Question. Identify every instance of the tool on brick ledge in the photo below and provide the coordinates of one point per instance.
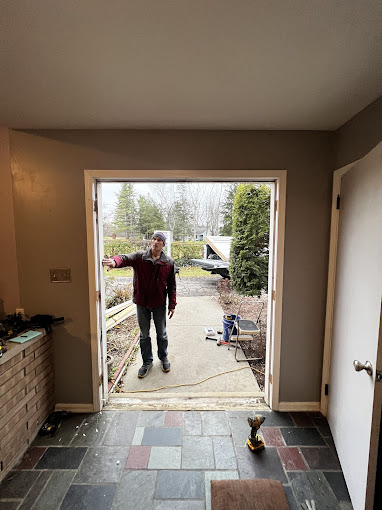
(254, 441)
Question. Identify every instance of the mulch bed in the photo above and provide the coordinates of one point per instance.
(119, 339)
(249, 309)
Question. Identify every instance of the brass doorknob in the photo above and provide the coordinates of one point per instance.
(358, 366)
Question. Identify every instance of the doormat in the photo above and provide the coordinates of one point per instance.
(261, 494)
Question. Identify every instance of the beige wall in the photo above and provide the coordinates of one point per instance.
(359, 135)
(9, 283)
(50, 230)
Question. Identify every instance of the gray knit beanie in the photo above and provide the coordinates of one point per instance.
(161, 235)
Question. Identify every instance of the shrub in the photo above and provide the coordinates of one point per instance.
(116, 293)
(249, 248)
(118, 246)
(181, 252)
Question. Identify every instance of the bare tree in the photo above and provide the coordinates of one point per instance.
(197, 196)
(163, 195)
(213, 207)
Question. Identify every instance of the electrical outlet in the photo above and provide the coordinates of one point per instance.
(21, 312)
(60, 276)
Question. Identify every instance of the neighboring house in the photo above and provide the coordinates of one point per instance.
(200, 234)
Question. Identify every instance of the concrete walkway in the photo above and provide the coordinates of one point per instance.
(193, 358)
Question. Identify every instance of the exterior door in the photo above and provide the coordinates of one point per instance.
(355, 397)
(93, 192)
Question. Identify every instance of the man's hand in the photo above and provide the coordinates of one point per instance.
(108, 262)
(170, 313)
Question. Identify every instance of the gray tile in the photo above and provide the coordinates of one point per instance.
(216, 475)
(338, 485)
(320, 458)
(93, 429)
(11, 505)
(104, 464)
(224, 451)
(36, 490)
(313, 485)
(301, 436)
(243, 415)
(322, 424)
(165, 457)
(89, 497)
(66, 432)
(329, 441)
(192, 423)
(61, 458)
(138, 436)
(215, 423)
(151, 419)
(240, 430)
(162, 436)
(197, 453)
(54, 491)
(180, 485)
(291, 499)
(168, 504)
(121, 429)
(262, 464)
(16, 484)
(345, 505)
(135, 491)
(276, 419)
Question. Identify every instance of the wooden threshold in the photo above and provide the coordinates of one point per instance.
(186, 402)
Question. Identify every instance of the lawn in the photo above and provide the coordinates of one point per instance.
(185, 272)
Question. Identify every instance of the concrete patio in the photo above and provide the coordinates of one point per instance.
(193, 359)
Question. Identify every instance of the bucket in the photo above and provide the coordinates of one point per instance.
(228, 321)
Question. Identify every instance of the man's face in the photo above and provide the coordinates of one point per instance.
(156, 243)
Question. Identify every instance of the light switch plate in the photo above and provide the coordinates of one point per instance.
(60, 275)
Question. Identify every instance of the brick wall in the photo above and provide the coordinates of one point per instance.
(26, 399)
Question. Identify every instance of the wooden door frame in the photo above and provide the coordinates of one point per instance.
(279, 177)
(336, 192)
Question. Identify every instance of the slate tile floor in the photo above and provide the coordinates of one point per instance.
(153, 460)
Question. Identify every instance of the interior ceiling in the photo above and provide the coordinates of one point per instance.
(188, 64)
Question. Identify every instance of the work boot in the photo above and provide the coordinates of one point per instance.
(166, 365)
(144, 370)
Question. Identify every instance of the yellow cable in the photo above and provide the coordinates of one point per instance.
(188, 384)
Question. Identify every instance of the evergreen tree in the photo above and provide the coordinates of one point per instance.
(125, 216)
(150, 217)
(227, 210)
(249, 248)
(181, 214)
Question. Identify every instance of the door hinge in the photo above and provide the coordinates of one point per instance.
(326, 389)
(95, 206)
(100, 380)
(378, 375)
(338, 202)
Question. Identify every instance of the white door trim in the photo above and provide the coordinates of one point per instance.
(337, 176)
(277, 176)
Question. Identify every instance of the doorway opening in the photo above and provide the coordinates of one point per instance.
(229, 388)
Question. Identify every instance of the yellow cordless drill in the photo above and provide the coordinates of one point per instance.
(254, 441)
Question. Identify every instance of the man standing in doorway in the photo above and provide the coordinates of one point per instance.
(154, 280)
